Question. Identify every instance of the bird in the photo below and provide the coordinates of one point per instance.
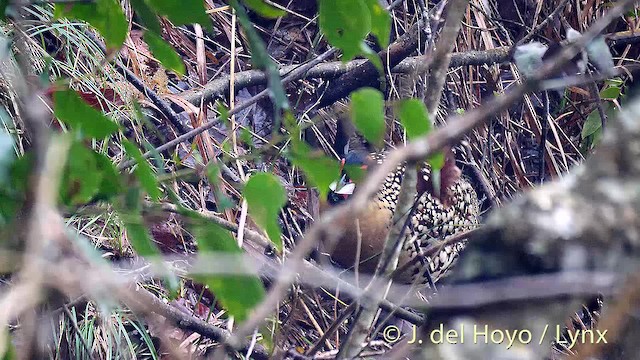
(435, 218)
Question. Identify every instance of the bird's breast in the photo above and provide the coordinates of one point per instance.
(366, 231)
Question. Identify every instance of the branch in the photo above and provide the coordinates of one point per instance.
(458, 126)
(81, 278)
(469, 297)
(37, 222)
(312, 275)
(164, 108)
(442, 55)
(294, 75)
(559, 7)
(334, 69)
(248, 233)
(331, 70)
(139, 299)
(366, 73)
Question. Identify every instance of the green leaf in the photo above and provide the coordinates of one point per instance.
(611, 93)
(111, 184)
(224, 113)
(345, 24)
(246, 137)
(380, 22)
(223, 202)
(70, 108)
(7, 349)
(367, 113)
(291, 125)
(259, 55)
(238, 293)
(269, 332)
(266, 197)
(592, 124)
(143, 171)
(264, 9)
(8, 203)
(167, 56)
(139, 237)
(183, 12)
(137, 231)
(147, 16)
(616, 81)
(595, 137)
(3, 9)
(356, 173)
(372, 56)
(213, 173)
(104, 15)
(610, 110)
(320, 169)
(81, 177)
(436, 161)
(262, 60)
(21, 169)
(414, 117)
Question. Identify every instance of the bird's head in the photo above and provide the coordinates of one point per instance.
(342, 188)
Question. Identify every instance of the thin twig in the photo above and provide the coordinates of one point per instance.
(294, 75)
(164, 108)
(560, 7)
(595, 94)
(332, 329)
(542, 147)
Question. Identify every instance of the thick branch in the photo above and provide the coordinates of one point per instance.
(162, 105)
(331, 70)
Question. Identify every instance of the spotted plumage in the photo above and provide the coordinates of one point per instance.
(431, 223)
